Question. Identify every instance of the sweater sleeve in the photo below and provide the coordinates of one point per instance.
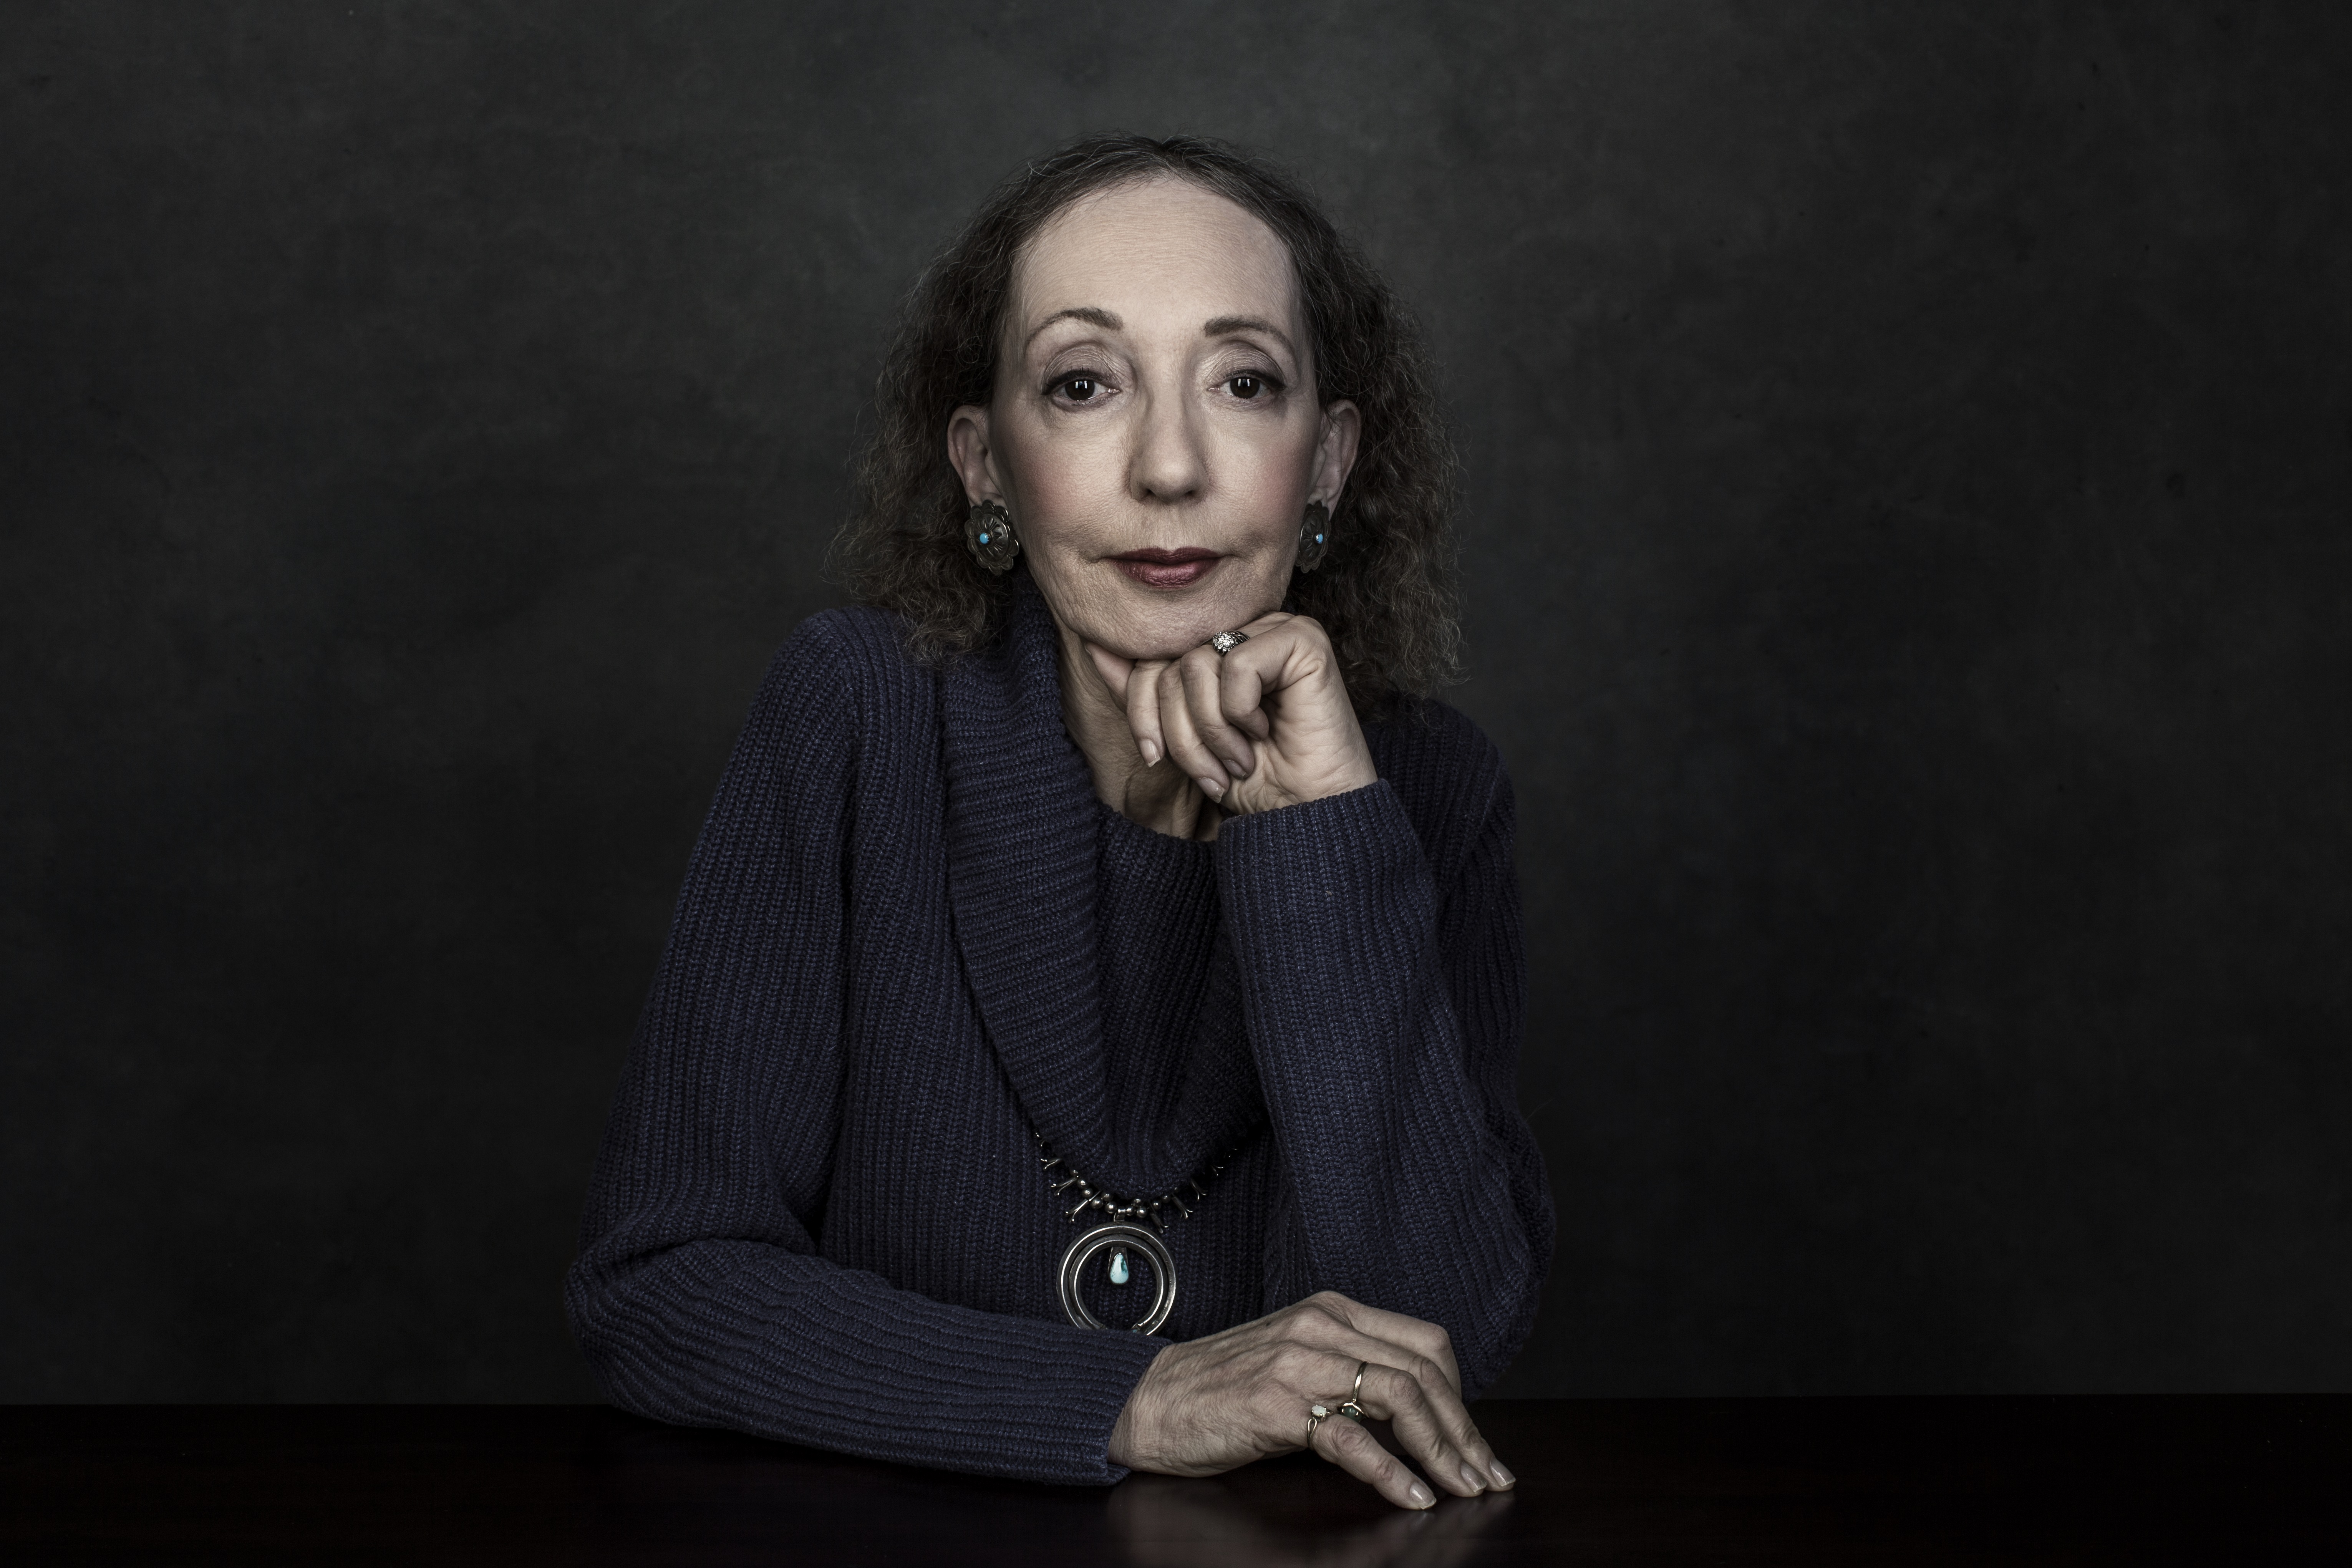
(1384, 1009)
(697, 1296)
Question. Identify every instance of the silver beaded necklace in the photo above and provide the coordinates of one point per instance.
(1125, 1233)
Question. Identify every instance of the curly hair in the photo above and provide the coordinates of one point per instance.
(1385, 592)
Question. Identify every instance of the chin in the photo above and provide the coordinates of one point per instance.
(1137, 642)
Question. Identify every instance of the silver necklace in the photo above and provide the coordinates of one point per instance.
(1124, 1233)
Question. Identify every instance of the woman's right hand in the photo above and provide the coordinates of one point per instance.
(1212, 1405)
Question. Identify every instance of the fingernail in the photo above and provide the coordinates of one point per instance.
(1150, 750)
(1503, 1478)
(1418, 1495)
(1214, 788)
(1473, 1480)
(1239, 770)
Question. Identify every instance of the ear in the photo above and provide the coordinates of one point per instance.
(1334, 453)
(973, 457)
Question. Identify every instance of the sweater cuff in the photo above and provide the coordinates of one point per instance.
(988, 1393)
(1326, 863)
(1114, 1364)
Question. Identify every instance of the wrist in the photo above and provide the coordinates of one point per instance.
(1119, 1451)
(1124, 1449)
(1303, 791)
(1358, 774)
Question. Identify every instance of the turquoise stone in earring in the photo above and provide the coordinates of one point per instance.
(989, 534)
(1314, 536)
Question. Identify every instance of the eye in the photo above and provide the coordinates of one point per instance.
(1077, 388)
(1245, 387)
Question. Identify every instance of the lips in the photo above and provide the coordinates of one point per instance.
(1167, 568)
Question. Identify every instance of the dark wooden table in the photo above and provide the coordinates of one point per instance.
(2223, 1479)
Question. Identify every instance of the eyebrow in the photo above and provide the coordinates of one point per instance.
(1088, 313)
(1225, 326)
(1216, 327)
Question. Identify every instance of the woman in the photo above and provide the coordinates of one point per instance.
(1101, 927)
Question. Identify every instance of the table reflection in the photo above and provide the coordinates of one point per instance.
(1166, 1523)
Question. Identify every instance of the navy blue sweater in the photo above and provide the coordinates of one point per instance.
(908, 942)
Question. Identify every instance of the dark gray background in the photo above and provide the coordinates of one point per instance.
(1907, 455)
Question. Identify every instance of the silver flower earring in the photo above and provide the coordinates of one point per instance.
(988, 533)
(1314, 536)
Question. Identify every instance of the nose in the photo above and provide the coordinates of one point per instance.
(1168, 463)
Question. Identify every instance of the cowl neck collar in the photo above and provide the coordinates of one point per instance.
(1022, 823)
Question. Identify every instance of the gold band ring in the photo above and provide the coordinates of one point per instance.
(1350, 1407)
(1319, 1413)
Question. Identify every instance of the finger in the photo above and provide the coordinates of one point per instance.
(1241, 690)
(1200, 764)
(1321, 1364)
(1422, 1337)
(1264, 653)
(1240, 697)
(1408, 1401)
(1203, 695)
(1326, 1326)
(1411, 1408)
(1330, 1321)
(1259, 665)
(1433, 1414)
(1354, 1450)
(1142, 699)
(1437, 1401)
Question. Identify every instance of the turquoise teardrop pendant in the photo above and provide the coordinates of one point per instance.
(1118, 1266)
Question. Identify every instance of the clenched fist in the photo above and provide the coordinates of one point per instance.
(1264, 726)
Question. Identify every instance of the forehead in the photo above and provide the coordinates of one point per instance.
(1163, 251)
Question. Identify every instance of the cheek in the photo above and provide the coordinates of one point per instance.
(1274, 471)
(1058, 481)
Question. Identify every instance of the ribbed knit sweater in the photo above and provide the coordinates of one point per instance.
(911, 941)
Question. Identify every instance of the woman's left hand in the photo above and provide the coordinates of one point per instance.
(1267, 725)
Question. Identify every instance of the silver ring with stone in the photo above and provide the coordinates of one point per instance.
(1315, 1415)
(1225, 642)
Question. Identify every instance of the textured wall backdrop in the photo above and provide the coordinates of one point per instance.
(1908, 454)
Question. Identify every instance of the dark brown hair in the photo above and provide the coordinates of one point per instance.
(1385, 593)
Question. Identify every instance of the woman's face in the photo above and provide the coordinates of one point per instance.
(1155, 431)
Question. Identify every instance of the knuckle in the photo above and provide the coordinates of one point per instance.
(1412, 1394)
